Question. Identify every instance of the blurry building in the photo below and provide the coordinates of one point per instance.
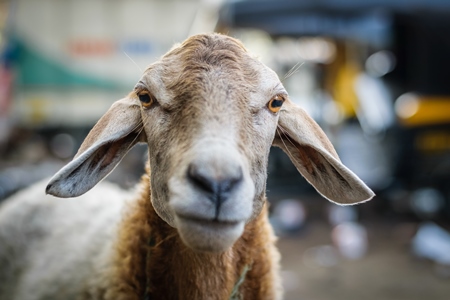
(63, 63)
(374, 74)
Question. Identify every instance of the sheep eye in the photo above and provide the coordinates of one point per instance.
(146, 99)
(275, 104)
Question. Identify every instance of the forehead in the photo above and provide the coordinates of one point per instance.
(210, 63)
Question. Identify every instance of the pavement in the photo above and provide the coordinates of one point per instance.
(314, 270)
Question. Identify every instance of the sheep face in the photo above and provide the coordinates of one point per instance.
(209, 113)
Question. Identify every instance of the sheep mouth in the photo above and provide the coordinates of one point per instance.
(214, 222)
(208, 235)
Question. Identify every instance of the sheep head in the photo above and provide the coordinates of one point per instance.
(209, 113)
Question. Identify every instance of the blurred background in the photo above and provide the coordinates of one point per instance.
(375, 74)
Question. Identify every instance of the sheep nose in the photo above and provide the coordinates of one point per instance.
(217, 186)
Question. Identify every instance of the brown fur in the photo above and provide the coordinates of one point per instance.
(170, 270)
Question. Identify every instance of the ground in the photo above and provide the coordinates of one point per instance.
(389, 271)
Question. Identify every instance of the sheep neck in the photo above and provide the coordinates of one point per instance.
(167, 269)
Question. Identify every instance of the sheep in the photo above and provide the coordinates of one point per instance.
(196, 227)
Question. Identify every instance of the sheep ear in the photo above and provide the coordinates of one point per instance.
(315, 158)
(104, 147)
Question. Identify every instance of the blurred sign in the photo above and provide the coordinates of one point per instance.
(104, 47)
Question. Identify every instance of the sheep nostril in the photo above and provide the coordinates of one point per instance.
(200, 180)
(219, 188)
